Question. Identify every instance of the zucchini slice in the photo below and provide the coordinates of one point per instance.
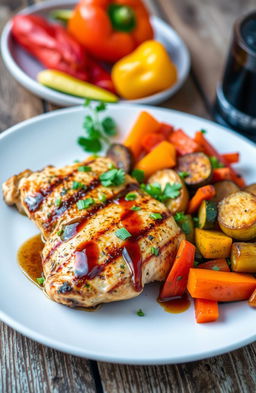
(187, 225)
(198, 168)
(251, 188)
(165, 176)
(243, 257)
(237, 215)
(223, 189)
(207, 215)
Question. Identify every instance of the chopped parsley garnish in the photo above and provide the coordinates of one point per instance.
(114, 177)
(228, 261)
(60, 232)
(130, 196)
(179, 216)
(77, 185)
(135, 208)
(58, 202)
(96, 130)
(155, 250)
(84, 168)
(203, 131)
(179, 278)
(156, 216)
(111, 166)
(170, 191)
(63, 191)
(102, 197)
(215, 162)
(183, 174)
(40, 280)
(76, 161)
(196, 263)
(215, 268)
(122, 234)
(140, 313)
(122, 266)
(138, 174)
(84, 203)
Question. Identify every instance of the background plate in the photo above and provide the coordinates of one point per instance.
(115, 333)
(24, 68)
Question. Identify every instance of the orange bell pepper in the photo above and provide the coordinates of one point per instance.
(110, 29)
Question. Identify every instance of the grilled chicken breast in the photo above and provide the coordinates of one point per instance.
(101, 245)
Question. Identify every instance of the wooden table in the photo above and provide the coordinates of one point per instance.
(30, 367)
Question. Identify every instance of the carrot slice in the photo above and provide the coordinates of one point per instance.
(216, 264)
(145, 124)
(231, 158)
(211, 151)
(150, 141)
(252, 300)
(176, 282)
(165, 129)
(203, 193)
(220, 286)
(206, 310)
(161, 157)
(183, 143)
(221, 174)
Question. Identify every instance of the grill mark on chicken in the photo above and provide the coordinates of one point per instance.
(33, 202)
(68, 203)
(80, 224)
(114, 252)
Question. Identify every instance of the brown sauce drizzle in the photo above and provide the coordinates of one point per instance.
(176, 305)
(29, 258)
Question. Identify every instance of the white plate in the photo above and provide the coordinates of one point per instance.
(115, 333)
(24, 68)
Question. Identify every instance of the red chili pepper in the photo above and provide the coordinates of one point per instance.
(54, 47)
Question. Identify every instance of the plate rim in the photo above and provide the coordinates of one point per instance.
(21, 328)
(60, 98)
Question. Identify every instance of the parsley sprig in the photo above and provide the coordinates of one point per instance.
(114, 177)
(96, 130)
(170, 191)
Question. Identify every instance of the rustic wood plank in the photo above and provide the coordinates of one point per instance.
(206, 27)
(26, 366)
(230, 373)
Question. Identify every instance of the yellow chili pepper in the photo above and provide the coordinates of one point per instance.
(145, 71)
(68, 84)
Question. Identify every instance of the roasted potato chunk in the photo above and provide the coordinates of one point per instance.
(223, 189)
(251, 188)
(237, 215)
(165, 176)
(243, 257)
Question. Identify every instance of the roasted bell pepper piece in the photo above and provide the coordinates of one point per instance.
(110, 29)
(68, 84)
(149, 68)
(50, 44)
(56, 49)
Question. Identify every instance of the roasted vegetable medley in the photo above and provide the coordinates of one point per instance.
(210, 202)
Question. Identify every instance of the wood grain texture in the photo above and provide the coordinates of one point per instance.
(206, 27)
(25, 366)
(30, 367)
(230, 373)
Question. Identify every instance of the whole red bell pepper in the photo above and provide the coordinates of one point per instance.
(110, 29)
(56, 49)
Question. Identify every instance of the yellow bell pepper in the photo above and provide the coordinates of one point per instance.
(145, 71)
(68, 84)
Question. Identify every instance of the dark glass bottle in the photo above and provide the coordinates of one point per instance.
(235, 103)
